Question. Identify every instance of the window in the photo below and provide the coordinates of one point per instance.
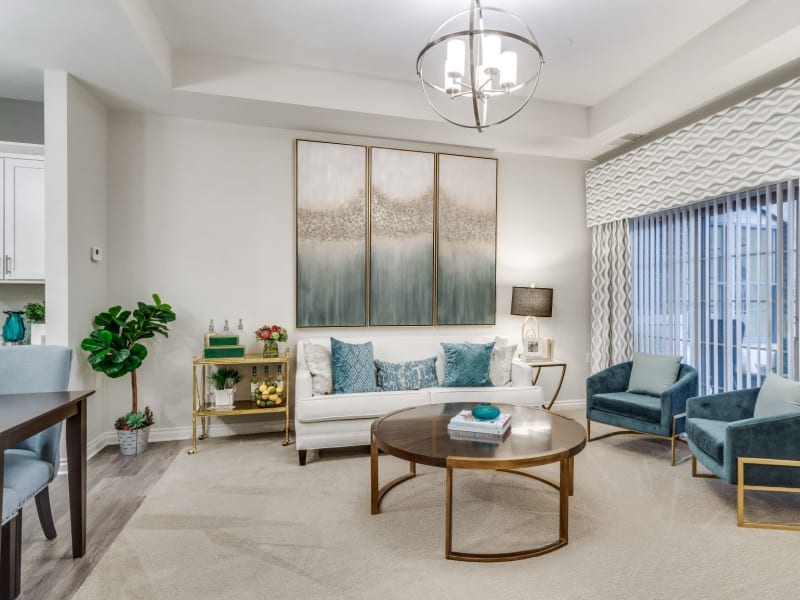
(716, 282)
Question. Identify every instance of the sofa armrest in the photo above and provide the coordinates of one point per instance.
(673, 399)
(609, 380)
(728, 406)
(521, 374)
(774, 436)
(302, 384)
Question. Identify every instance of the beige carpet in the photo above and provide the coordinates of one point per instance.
(242, 520)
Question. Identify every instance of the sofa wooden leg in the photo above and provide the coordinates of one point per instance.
(45, 514)
(301, 457)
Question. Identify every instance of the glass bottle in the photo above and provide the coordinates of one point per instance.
(210, 331)
(267, 380)
(226, 330)
(279, 379)
(254, 384)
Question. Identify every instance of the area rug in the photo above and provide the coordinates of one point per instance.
(240, 519)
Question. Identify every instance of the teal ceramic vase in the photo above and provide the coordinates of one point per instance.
(485, 411)
(14, 328)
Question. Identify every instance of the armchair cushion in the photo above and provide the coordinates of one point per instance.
(640, 406)
(653, 374)
(708, 435)
(777, 396)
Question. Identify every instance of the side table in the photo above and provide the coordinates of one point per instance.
(539, 365)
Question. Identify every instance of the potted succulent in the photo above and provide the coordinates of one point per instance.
(114, 349)
(224, 380)
(34, 313)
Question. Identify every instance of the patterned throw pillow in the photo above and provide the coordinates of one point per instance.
(467, 365)
(411, 375)
(500, 365)
(353, 367)
(318, 363)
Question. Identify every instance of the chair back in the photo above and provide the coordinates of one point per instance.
(31, 369)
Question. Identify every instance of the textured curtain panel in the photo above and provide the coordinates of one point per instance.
(752, 143)
(611, 294)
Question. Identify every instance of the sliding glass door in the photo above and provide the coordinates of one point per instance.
(716, 282)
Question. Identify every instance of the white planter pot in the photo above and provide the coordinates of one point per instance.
(223, 397)
(133, 441)
(37, 334)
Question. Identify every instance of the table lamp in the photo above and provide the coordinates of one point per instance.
(531, 302)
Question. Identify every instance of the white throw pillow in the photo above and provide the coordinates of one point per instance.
(500, 365)
(318, 363)
(777, 396)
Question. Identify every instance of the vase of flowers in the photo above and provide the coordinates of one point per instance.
(271, 335)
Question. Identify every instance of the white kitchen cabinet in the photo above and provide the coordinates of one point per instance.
(22, 239)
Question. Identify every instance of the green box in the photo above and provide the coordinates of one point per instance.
(223, 340)
(223, 352)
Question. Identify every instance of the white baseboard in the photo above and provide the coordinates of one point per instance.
(572, 403)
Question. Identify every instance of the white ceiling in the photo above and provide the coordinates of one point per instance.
(613, 67)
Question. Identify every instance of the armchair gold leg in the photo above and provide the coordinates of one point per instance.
(741, 487)
(672, 438)
(700, 475)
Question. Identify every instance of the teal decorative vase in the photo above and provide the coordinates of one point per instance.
(14, 328)
(485, 412)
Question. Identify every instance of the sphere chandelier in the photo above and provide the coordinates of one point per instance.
(470, 68)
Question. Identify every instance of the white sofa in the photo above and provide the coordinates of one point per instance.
(339, 420)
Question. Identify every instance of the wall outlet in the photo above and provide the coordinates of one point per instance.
(96, 253)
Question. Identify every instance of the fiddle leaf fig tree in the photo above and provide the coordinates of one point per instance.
(114, 347)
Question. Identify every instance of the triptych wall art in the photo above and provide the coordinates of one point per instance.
(391, 237)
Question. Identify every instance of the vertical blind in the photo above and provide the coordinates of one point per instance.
(716, 282)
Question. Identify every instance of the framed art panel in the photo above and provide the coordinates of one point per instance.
(401, 237)
(331, 234)
(467, 236)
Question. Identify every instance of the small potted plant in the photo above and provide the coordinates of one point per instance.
(34, 313)
(271, 335)
(114, 349)
(224, 380)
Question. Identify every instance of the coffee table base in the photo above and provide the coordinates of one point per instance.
(564, 486)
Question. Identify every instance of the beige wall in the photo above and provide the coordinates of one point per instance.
(203, 213)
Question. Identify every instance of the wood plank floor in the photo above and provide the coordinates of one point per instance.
(116, 486)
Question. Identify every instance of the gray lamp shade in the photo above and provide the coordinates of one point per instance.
(532, 301)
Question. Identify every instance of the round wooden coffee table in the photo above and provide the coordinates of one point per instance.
(537, 437)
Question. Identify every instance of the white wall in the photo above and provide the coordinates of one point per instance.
(21, 121)
(75, 192)
(203, 213)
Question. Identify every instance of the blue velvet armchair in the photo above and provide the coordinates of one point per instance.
(609, 402)
(33, 464)
(721, 430)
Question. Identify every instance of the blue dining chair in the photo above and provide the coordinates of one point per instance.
(33, 464)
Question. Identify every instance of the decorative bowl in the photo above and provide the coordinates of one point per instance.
(485, 412)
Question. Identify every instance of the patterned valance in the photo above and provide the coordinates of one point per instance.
(744, 146)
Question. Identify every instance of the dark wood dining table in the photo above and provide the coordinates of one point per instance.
(21, 416)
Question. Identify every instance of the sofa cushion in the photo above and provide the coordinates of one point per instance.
(527, 396)
(467, 365)
(353, 367)
(777, 396)
(500, 364)
(708, 435)
(652, 373)
(355, 406)
(318, 363)
(641, 406)
(410, 375)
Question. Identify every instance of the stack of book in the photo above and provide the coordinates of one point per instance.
(464, 426)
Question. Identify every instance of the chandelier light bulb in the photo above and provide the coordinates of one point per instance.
(508, 70)
(491, 53)
(456, 53)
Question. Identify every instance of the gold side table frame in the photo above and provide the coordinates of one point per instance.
(240, 407)
(741, 486)
(539, 365)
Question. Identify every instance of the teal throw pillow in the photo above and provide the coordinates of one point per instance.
(411, 375)
(467, 365)
(653, 373)
(353, 367)
(777, 396)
